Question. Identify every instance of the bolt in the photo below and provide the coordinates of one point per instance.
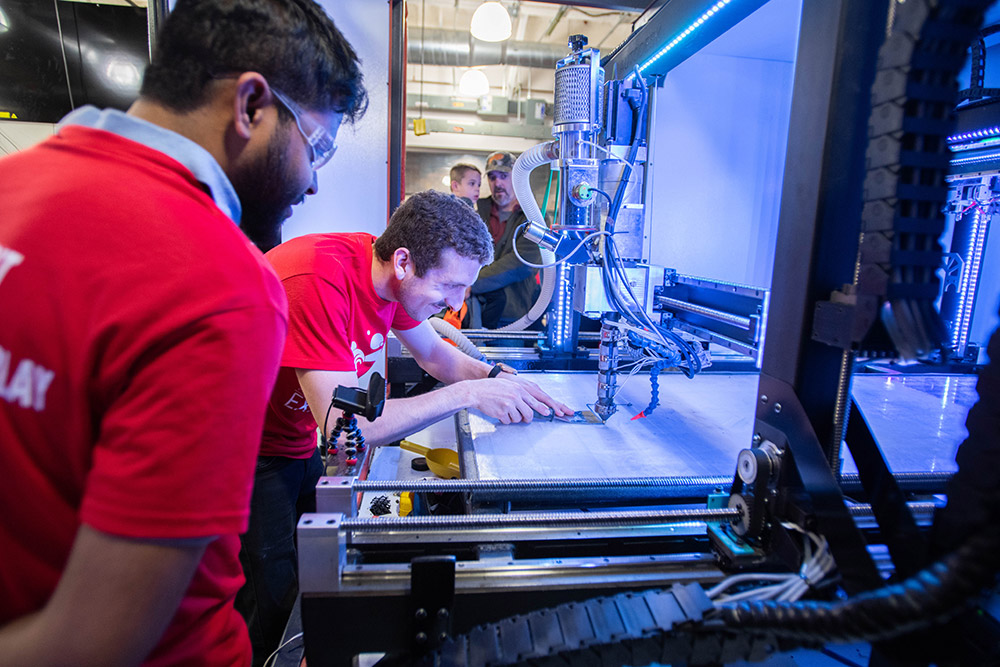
(421, 614)
(421, 638)
(777, 407)
(757, 438)
(442, 613)
(763, 398)
(443, 637)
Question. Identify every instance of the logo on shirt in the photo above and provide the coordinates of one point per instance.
(8, 260)
(297, 402)
(27, 385)
(363, 361)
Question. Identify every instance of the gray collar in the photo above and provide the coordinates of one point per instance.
(198, 160)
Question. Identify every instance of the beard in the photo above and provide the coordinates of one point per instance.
(265, 194)
(502, 196)
(413, 301)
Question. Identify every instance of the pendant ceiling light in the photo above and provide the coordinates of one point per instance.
(473, 84)
(491, 22)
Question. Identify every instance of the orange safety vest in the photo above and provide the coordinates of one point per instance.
(454, 318)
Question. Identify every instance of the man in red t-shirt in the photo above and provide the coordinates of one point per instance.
(141, 334)
(345, 292)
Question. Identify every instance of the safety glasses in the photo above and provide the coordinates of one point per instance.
(321, 142)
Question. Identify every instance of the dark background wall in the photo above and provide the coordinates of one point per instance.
(87, 54)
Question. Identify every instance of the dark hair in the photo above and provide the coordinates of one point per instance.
(292, 43)
(427, 223)
(459, 171)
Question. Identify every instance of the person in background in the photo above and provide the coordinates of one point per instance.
(506, 287)
(142, 334)
(346, 291)
(465, 182)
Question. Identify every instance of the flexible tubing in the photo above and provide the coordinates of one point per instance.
(523, 166)
(447, 330)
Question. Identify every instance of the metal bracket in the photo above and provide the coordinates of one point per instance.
(322, 552)
(336, 495)
(432, 595)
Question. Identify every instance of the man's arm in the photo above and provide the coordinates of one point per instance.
(443, 361)
(449, 364)
(115, 598)
(508, 398)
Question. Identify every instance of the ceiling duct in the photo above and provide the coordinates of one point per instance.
(458, 48)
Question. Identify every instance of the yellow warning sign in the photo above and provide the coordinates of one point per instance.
(8, 115)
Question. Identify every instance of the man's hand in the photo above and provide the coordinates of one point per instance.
(512, 399)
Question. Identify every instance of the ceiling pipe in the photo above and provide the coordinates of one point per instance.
(457, 48)
(555, 21)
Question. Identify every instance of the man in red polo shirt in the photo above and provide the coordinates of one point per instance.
(141, 334)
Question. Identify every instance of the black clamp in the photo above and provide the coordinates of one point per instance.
(432, 594)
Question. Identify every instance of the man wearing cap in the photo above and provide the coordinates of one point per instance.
(506, 287)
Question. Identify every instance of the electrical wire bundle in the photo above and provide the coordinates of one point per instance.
(933, 595)
(661, 340)
(817, 562)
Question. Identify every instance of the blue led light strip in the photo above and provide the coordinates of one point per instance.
(970, 279)
(684, 33)
(975, 134)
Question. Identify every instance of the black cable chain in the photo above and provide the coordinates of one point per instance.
(913, 99)
(640, 628)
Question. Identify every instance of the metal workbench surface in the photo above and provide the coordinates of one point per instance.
(700, 426)
(698, 429)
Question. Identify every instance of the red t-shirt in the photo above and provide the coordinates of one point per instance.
(140, 334)
(336, 322)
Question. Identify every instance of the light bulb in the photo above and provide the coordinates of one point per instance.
(491, 22)
(473, 84)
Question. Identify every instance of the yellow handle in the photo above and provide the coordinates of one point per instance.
(414, 447)
(442, 461)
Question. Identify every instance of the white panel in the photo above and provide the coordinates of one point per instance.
(16, 135)
(353, 187)
(719, 136)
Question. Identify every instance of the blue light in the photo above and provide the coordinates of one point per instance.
(986, 131)
(970, 279)
(970, 144)
(684, 33)
(975, 159)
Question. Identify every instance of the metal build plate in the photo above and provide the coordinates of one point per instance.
(698, 429)
(701, 425)
(918, 420)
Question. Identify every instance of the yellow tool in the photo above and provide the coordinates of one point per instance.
(405, 503)
(442, 461)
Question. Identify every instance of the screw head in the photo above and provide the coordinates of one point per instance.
(763, 398)
(777, 407)
(421, 614)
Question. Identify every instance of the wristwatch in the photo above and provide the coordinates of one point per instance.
(499, 368)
